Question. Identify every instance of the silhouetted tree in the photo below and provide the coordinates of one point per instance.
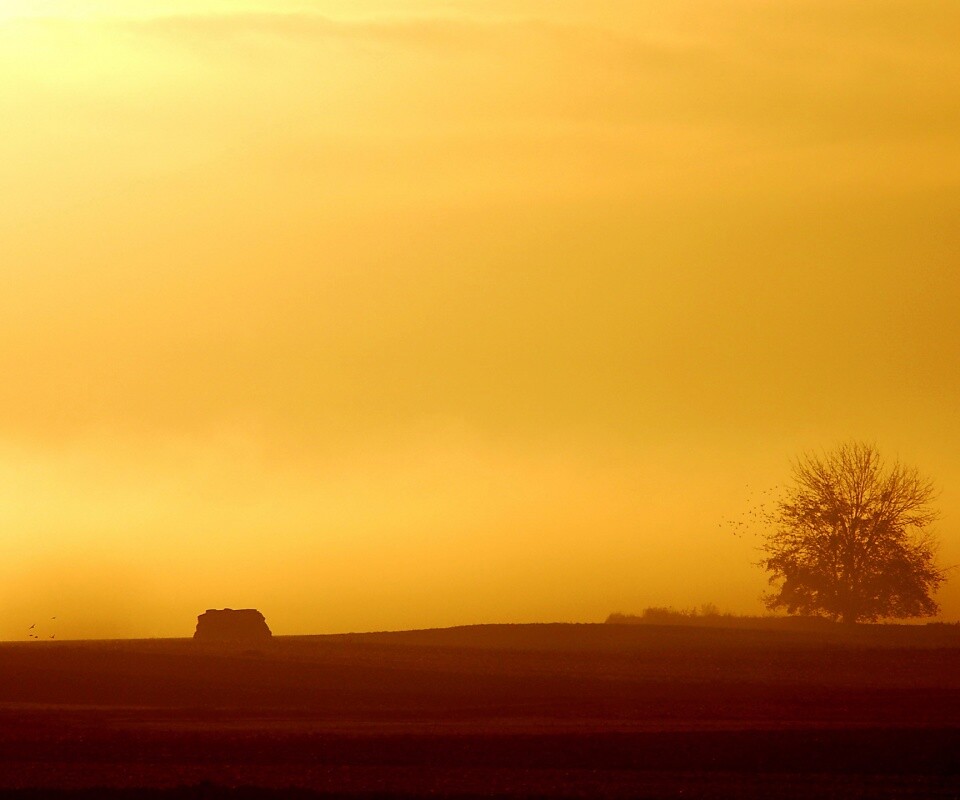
(850, 539)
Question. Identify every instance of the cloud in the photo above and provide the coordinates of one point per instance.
(521, 221)
(753, 67)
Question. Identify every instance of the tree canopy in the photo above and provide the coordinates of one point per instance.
(850, 538)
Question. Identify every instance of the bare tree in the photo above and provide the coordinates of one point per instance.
(850, 539)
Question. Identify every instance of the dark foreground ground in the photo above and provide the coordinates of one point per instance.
(571, 711)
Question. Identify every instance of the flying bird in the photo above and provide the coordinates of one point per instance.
(32, 626)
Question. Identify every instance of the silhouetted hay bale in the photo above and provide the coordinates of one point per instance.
(232, 625)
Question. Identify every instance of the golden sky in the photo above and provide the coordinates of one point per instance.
(403, 313)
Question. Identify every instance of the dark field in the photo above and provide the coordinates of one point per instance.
(519, 711)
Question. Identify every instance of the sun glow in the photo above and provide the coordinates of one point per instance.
(55, 9)
(14, 9)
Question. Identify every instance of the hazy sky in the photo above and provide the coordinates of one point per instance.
(385, 314)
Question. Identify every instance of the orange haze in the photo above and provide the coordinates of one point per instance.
(385, 313)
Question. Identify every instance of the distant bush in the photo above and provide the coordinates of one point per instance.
(708, 614)
(667, 615)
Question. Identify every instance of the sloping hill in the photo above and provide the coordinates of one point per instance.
(612, 637)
